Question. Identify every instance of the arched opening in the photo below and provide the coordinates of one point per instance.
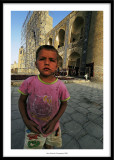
(61, 38)
(74, 64)
(33, 36)
(78, 62)
(77, 29)
(77, 66)
(50, 41)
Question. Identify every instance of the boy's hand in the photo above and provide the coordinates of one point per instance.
(32, 126)
(49, 127)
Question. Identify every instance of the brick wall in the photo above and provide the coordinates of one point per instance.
(95, 45)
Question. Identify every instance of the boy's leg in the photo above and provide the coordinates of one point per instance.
(54, 139)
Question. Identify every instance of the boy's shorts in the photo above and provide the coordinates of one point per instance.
(37, 141)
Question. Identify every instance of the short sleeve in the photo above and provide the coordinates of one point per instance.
(64, 94)
(23, 89)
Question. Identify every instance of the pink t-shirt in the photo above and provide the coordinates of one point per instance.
(43, 99)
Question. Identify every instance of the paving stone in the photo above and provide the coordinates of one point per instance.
(81, 133)
(89, 142)
(72, 128)
(14, 100)
(74, 104)
(101, 116)
(96, 105)
(62, 127)
(95, 111)
(65, 140)
(84, 105)
(72, 144)
(99, 121)
(92, 116)
(17, 125)
(65, 118)
(17, 140)
(14, 107)
(15, 115)
(101, 104)
(78, 117)
(15, 94)
(93, 129)
(81, 110)
(74, 100)
(69, 110)
(93, 99)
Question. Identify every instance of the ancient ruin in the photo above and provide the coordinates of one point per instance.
(78, 39)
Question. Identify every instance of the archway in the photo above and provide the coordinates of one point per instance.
(50, 41)
(33, 36)
(77, 29)
(61, 38)
(74, 64)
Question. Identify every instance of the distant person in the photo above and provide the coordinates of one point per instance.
(42, 102)
(86, 76)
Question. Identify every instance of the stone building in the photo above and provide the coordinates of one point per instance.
(14, 68)
(78, 39)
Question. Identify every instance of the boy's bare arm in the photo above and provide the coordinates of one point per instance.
(22, 107)
(61, 111)
(50, 126)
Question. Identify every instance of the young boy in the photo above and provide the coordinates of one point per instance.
(42, 102)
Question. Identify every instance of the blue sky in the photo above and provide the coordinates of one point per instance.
(17, 20)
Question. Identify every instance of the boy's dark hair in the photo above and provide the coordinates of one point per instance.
(47, 47)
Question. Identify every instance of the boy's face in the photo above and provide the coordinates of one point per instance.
(46, 62)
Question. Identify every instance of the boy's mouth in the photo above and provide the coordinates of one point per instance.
(46, 69)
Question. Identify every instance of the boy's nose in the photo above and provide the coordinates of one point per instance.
(47, 61)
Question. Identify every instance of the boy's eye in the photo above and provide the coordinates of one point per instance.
(52, 60)
(41, 59)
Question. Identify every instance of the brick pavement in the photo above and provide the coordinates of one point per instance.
(81, 124)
